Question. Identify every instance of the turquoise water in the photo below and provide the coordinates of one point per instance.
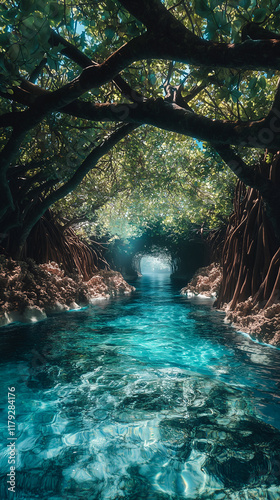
(150, 397)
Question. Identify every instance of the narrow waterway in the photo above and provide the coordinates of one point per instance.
(150, 397)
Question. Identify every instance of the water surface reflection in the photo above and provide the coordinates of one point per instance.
(147, 397)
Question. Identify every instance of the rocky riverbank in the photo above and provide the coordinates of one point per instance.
(206, 281)
(31, 292)
(261, 324)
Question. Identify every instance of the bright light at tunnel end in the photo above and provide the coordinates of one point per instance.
(155, 265)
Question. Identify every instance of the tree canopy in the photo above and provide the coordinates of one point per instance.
(78, 80)
(171, 185)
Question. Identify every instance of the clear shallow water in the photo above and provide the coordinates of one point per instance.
(149, 397)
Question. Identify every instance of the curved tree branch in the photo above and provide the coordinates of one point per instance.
(88, 164)
(170, 116)
(175, 42)
(84, 61)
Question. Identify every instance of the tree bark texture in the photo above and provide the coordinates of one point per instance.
(49, 241)
(251, 252)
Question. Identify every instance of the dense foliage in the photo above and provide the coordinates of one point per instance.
(76, 80)
(173, 186)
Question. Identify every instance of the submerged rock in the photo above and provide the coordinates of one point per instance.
(30, 292)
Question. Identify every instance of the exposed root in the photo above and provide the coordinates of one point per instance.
(50, 241)
(261, 323)
(251, 253)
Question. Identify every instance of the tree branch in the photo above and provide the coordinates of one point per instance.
(154, 16)
(88, 164)
(166, 39)
(36, 72)
(91, 76)
(249, 175)
(256, 32)
(170, 116)
(9, 119)
(175, 42)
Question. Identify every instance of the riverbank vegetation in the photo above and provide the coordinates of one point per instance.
(122, 116)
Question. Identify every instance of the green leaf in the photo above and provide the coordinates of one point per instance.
(27, 5)
(28, 24)
(10, 14)
(70, 25)
(252, 82)
(4, 39)
(201, 8)
(105, 15)
(254, 91)
(214, 3)
(56, 12)
(52, 63)
(133, 29)
(153, 79)
(110, 4)
(237, 23)
(2, 62)
(41, 5)
(235, 30)
(226, 28)
(109, 32)
(44, 34)
(212, 30)
(260, 15)
(245, 4)
(235, 94)
(13, 52)
(220, 18)
(83, 39)
(262, 82)
(234, 80)
(39, 19)
(55, 50)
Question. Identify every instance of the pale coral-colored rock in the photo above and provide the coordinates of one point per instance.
(53, 268)
(74, 305)
(206, 281)
(261, 324)
(29, 292)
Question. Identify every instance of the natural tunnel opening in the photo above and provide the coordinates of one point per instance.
(155, 265)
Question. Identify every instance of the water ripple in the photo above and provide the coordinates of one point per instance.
(147, 398)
